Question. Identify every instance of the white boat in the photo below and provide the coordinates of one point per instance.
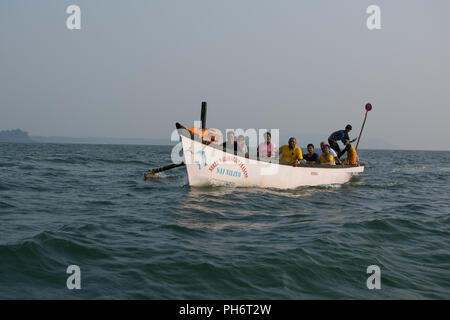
(208, 164)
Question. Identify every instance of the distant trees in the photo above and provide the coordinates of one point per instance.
(16, 135)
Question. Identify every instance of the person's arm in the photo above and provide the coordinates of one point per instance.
(335, 157)
(300, 154)
(337, 160)
(299, 158)
(344, 136)
(316, 158)
(331, 160)
(273, 149)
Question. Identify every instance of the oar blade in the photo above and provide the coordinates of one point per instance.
(149, 176)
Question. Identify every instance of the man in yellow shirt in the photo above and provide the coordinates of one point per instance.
(290, 152)
(351, 153)
(326, 157)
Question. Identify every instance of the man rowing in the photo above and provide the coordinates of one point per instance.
(341, 135)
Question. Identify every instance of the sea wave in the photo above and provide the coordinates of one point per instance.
(161, 239)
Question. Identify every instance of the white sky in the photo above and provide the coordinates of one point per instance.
(306, 67)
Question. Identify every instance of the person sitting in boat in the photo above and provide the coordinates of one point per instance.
(231, 144)
(341, 135)
(242, 149)
(351, 153)
(332, 152)
(290, 152)
(267, 148)
(311, 157)
(326, 157)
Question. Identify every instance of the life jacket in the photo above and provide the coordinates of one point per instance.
(209, 135)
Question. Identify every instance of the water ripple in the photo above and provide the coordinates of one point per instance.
(161, 239)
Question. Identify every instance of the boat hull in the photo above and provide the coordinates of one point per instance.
(210, 165)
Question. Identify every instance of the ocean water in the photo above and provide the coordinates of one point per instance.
(88, 205)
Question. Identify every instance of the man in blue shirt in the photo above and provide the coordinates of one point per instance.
(340, 135)
(311, 157)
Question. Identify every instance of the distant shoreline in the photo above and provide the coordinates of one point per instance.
(15, 135)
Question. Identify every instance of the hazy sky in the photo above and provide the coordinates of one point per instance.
(306, 67)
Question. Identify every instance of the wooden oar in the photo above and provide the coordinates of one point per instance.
(152, 172)
(368, 108)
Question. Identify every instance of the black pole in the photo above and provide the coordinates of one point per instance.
(360, 133)
(203, 115)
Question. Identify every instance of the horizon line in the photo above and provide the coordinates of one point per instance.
(175, 142)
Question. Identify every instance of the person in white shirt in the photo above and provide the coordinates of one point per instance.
(242, 149)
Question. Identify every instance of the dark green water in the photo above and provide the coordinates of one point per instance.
(88, 205)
